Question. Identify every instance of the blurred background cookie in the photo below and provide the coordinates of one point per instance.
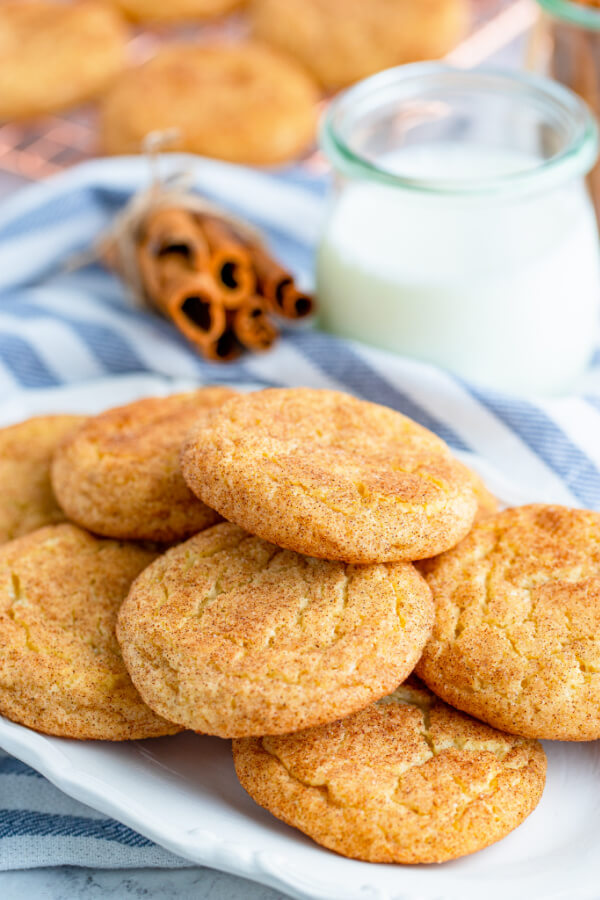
(26, 450)
(340, 41)
(54, 55)
(175, 10)
(61, 670)
(245, 103)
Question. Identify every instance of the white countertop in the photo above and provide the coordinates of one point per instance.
(69, 883)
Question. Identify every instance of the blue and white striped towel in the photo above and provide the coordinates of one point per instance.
(58, 328)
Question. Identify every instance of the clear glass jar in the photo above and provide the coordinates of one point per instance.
(460, 230)
(567, 46)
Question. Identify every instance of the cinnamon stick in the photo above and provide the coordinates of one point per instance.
(252, 325)
(230, 261)
(224, 349)
(195, 307)
(173, 231)
(271, 277)
(295, 304)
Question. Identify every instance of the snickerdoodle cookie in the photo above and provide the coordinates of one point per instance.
(487, 503)
(174, 10)
(61, 671)
(407, 780)
(340, 41)
(27, 500)
(325, 474)
(53, 54)
(119, 474)
(229, 635)
(244, 103)
(517, 635)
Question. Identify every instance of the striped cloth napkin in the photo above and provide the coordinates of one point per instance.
(59, 328)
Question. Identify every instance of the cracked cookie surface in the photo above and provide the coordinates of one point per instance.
(61, 670)
(26, 450)
(407, 780)
(119, 475)
(232, 636)
(517, 635)
(325, 474)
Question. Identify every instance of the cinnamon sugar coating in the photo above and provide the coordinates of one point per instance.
(27, 499)
(407, 780)
(232, 636)
(327, 475)
(517, 635)
(61, 671)
(119, 474)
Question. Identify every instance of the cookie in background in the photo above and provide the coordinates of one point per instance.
(56, 55)
(342, 41)
(175, 10)
(244, 103)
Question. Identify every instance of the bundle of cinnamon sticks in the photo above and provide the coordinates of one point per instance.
(219, 286)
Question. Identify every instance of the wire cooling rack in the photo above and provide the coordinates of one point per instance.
(36, 148)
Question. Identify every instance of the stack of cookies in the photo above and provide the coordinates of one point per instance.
(243, 565)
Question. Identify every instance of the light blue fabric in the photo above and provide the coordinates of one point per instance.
(64, 328)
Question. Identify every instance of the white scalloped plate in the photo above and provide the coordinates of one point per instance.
(182, 792)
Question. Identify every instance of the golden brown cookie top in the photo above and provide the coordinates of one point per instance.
(61, 671)
(54, 54)
(406, 780)
(517, 634)
(26, 450)
(341, 41)
(240, 102)
(230, 635)
(325, 474)
(119, 474)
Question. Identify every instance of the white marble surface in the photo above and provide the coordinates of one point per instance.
(70, 883)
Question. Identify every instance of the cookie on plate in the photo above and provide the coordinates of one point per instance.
(54, 55)
(174, 11)
(341, 41)
(517, 635)
(487, 503)
(325, 474)
(229, 635)
(407, 780)
(27, 499)
(61, 671)
(119, 474)
(244, 103)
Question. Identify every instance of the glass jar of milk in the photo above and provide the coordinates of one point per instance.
(461, 231)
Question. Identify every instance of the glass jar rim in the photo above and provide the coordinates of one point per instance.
(573, 12)
(575, 159)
